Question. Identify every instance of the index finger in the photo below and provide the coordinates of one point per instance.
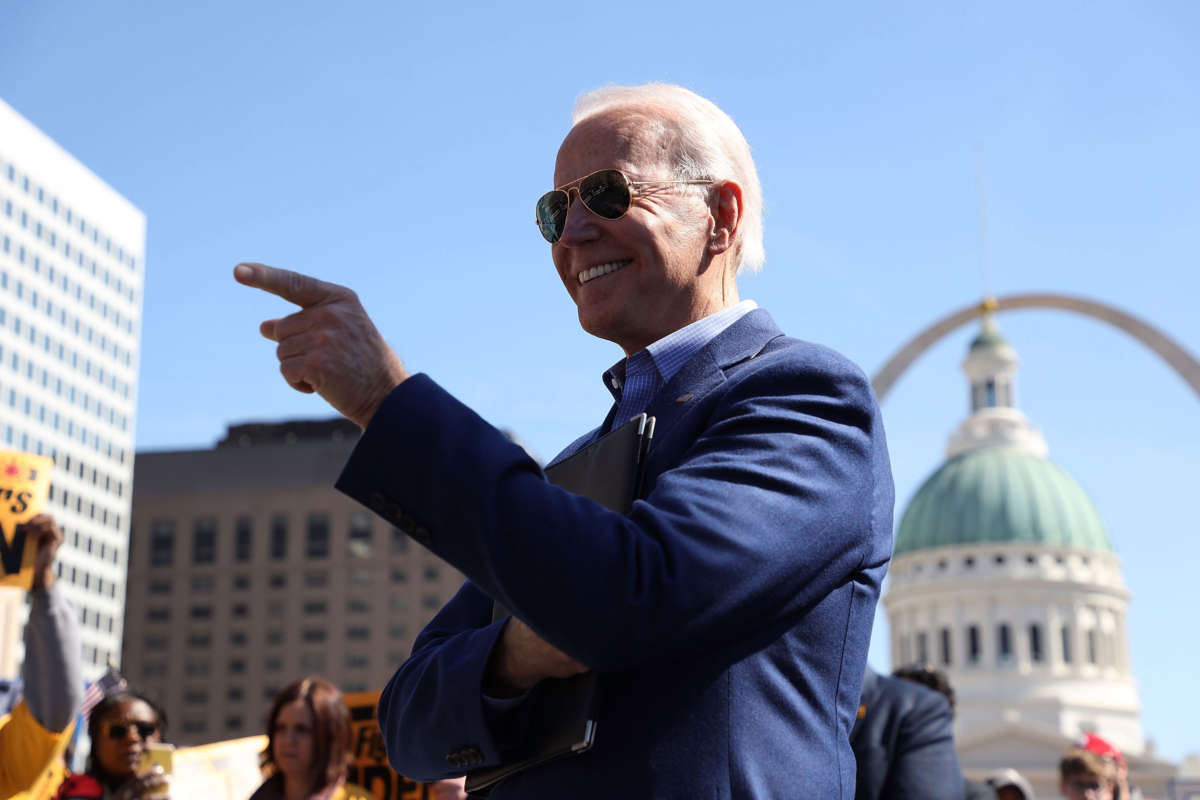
(295, 287)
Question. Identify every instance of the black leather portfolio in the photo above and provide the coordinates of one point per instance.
(563, 721)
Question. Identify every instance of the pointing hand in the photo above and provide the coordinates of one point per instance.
(330, 346)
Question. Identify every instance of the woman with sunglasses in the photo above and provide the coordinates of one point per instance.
(120, 727)
(308, 745)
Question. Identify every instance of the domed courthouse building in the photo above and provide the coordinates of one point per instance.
(1004, 576)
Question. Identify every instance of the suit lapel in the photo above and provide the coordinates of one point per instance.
(705, 370)
(702, 372)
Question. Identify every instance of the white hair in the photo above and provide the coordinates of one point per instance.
(706, 144)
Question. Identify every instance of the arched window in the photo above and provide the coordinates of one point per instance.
(973, 644)
(1035, 643)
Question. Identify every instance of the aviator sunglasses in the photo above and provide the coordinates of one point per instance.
(607, 194)
(119, 730)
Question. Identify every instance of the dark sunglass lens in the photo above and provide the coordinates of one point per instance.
(606, 194)
(118, 732)
(146, 729)
(551, 212)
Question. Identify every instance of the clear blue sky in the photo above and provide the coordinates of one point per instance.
(398, 148)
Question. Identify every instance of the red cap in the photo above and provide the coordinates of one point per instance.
(1101, 747)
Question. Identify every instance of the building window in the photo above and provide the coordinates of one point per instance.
(240, 610)
(358, 576)
(159, 587)
(200, 612)
(237, 638)
(233, 723)
(1091, 646)
(237, 666)
(433, 601)
(273, 664)
(278, 580)
(279, 537)
(243, 539)
(357, 660)
(399, 576)
(973, 644)
(397, 602)
(313, 634)
(235, 694)
(1066, 644)
(316, 607)
(158, 614)
(358, 542)
(399, 541)
(315, 580)
(194, 726)
(946, 652)
(162, 543)
(317, 540)
(202, 583)
(357, 605)
(155, 642)
(1035, 643)
(275, 636)
(358, 633)
(194, 697)
(154, 669)
(204, 541)
(203, 640)
(241, 582)
(397, 632)
(196, 669)
(1004, 642)
(431, 572)
(922, 648)
(312, 662)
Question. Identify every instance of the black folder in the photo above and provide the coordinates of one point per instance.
(610, 472)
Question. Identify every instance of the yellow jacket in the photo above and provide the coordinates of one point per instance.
(31, 765)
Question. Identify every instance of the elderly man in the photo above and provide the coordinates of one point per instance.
(728, 614)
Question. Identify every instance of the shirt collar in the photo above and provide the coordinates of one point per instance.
(672, 351)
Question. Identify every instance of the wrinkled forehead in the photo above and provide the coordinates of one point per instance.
(633, 140)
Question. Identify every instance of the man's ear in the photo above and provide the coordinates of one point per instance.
(726, 217)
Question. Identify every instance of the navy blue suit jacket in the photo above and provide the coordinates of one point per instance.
(728, 614)
(904, 743)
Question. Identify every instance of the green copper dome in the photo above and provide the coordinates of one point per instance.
(1000, 495)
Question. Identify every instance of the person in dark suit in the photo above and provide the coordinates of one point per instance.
(728, 615)
(903, 741)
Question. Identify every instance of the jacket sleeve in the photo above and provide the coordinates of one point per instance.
(925, 765)
(768, 510)
(432, 712)
(52, 672)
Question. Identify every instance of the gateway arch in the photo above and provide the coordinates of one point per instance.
(1180, 360)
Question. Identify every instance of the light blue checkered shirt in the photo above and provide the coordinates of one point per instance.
(634, 381)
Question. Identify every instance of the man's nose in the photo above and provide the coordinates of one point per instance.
(581, 225)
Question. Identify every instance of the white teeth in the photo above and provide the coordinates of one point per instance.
(601, 269)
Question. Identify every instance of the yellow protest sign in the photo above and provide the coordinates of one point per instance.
(24, 485)
(369, 767)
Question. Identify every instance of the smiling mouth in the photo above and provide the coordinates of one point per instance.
(601, 269)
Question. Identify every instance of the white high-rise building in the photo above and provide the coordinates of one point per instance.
(71, 269)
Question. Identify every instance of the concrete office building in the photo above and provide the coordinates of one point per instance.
(247, 570)
(71, 271)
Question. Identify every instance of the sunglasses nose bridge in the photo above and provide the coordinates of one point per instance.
(581, 224)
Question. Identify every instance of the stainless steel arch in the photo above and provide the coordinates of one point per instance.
(1183, 362)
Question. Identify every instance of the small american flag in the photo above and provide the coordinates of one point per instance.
(111, 681)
